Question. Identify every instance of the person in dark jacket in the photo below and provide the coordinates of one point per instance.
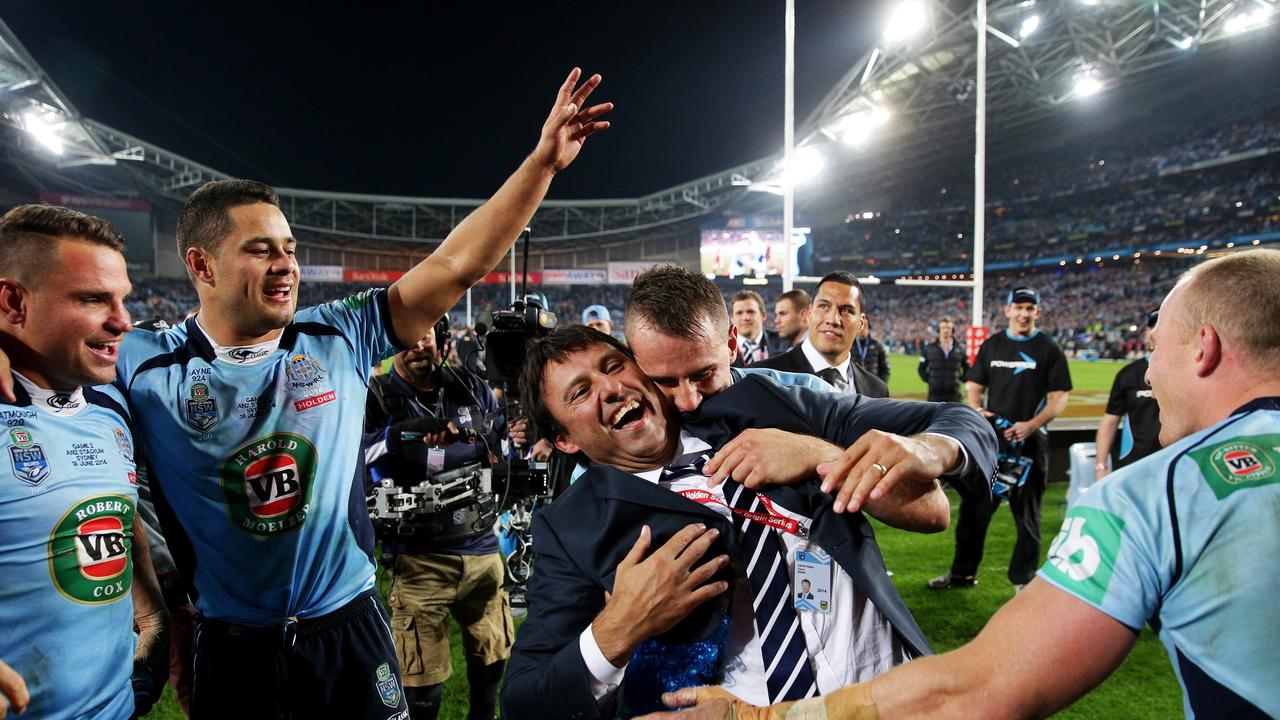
(869, 354)
(943, 364)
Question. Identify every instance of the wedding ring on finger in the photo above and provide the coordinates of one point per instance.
(881, 468)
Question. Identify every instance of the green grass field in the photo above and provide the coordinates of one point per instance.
(1144, 687)
(1091, 382)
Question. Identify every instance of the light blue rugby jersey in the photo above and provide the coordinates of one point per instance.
(68, 495)
(1187, 539)
(261, 464)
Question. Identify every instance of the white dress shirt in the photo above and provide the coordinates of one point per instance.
(851, 644)
(818, 363)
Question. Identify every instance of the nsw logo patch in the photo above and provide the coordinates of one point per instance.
(1240, 463)
(30, 464)
(202, 408)
(267, 484)
(89, 557)
(1082, 557)
(388, 688)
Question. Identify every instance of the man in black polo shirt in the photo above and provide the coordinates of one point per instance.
(1133, 411)
(1027, 382)
(943, 365)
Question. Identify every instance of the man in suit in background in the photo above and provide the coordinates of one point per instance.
(835, 319)
(791, 316)
(755, 342)
(609, 621)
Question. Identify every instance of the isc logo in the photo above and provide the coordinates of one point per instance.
(271, 485)
(1241, 462)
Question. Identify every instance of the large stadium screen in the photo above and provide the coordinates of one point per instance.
(748, 252)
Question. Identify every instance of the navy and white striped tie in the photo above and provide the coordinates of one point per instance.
(786, 659)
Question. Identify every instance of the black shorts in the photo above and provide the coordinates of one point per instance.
(340, 665)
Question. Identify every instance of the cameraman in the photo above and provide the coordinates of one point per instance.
(452, 563)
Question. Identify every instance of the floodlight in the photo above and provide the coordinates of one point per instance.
(42, 131)
(868, 215)
(1087, 85)
(855, 129)
(1029, 26)
(906, 20)
(1248, 21)
(1185, 43)
(807, 162)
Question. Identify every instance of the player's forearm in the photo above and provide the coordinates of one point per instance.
(912, 508)
(1055, 406)
(973, 394)
(148, 598)
(474, 247)
(1106, 433)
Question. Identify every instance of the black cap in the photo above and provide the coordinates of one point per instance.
(1023, 294)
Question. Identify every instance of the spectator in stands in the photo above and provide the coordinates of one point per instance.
(755, 342)
(1026, 379)
(791, 316)
(1151, 545)
(1131, 409)
(943, 364)
(835, 319)
(869, 354)
(597, 318)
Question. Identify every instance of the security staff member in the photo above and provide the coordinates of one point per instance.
(450, 566)
(1027, 381)
(1133, 411)
(943, 365)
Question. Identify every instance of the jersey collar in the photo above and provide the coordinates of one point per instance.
(1262, 403)
(62, 404)
(1015, 338)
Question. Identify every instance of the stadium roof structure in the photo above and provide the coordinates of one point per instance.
(911, 99)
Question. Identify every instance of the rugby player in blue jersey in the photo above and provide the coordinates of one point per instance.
(73, 555)
(251, 417)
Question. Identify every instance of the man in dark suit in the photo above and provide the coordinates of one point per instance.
(755, 341)
(835, 319)
(611, 625)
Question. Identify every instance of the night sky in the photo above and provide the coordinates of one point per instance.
(442, 99)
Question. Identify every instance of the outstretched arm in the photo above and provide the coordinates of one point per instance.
(476, 245)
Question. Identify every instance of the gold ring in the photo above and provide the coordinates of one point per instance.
(880, 467)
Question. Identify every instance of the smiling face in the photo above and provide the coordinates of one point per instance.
(1022, 317)
(1171, 371)
(75, 317)
(685, 370)
(835, 320)
(609, 410)
(251, 280)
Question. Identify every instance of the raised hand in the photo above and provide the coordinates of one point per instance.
(879, 460)
(764, 456)
(569, 124)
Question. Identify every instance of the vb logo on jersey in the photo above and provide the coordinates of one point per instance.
(1083, 555)
(202, 409)
(29, 462)
(89, 550)
(267, 484)
(1240, 463)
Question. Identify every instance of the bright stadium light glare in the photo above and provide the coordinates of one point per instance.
(906, 20)
(1248, 20)
(1185, 43)
(42, 131)
(856, 129)
(1029, 27)
(1087, 85)
(807, 162)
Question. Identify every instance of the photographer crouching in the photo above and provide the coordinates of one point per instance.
(428, 420)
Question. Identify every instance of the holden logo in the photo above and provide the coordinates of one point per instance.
(267, 483)
(89, 550)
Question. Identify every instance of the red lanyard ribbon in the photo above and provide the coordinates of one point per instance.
(771, 518)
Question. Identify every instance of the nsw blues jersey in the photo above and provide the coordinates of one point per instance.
(260, 462)
(67, 505)
(1186, 539)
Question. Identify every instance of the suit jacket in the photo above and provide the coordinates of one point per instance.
(580, 538)
(772, 341)
(794, 361)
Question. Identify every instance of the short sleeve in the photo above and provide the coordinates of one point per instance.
(1115, 549)
(364, 319)
(1059, 373)
(978, 373)
(1118, 402)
